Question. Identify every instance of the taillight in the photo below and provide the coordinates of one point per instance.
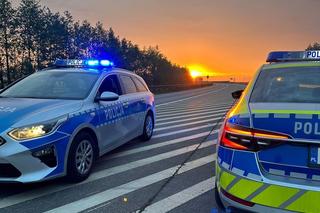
(242, 138)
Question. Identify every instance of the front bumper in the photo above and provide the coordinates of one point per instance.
(239, 174)
(20, 164)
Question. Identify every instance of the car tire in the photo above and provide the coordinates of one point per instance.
(148, 127)
(81, 157)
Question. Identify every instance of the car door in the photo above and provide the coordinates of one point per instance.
(142, 98)
(131, 105)
(111, 115)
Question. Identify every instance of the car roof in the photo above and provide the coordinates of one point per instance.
(100, 72)
(88, 70)
(292, 64)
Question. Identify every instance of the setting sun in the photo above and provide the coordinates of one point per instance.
(197, 71)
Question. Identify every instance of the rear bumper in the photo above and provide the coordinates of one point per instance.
(236, 207)
(239, 175)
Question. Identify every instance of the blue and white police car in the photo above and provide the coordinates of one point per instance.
(58, 121)
(269, 146)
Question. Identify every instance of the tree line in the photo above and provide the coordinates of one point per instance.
(32, 37)
(314, 46)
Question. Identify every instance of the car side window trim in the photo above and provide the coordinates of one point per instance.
(124, 86)
(120, 88)
(136, 81)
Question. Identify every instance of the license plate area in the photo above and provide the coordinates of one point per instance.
(314, 156)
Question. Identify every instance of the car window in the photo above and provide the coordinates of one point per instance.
(110, 84)
(288, 85)
(140, 86)
(128, 84)
(53, 85)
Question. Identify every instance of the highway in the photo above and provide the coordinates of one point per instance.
(173, 172)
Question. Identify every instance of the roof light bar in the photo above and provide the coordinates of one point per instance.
(285, 56)
(83, 63)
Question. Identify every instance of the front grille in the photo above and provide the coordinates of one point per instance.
(9, 171)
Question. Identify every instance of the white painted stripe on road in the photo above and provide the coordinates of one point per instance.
(182, 197)
(187, 124)
(192, 97)
(158, 145)
(207, 112)
(105, 196)
(191, 112)
(190, 119)
(36, 193)
(184, 130)
(159, 157)
(189, 109)
(193, 106)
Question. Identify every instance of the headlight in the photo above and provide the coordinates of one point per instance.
(34, 131)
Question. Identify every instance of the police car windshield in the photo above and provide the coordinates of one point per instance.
(288, 85)
(53, 85)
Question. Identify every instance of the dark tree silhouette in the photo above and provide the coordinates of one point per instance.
(314, 46)
(33, 37)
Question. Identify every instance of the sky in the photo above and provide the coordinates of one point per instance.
(225, 37)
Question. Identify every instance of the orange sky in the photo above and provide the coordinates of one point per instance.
(225, 36)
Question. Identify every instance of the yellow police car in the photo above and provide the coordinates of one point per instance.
(268, 157)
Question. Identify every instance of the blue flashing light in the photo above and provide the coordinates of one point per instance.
(83, 63)
(286, 56)
(93, 63)
(106, 63)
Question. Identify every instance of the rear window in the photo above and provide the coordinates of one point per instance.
(288, 85)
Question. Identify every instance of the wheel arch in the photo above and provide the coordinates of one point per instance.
(82, 128)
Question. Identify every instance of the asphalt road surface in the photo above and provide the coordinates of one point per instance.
(173, 172)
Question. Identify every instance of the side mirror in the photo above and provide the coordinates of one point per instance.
(237, 94)
(108, 96)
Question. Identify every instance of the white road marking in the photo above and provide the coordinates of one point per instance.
(185, 106)
(181, 197)
(207, 112)
(184, 130)
(36, 193)
(105, 196)
(159, 157)
(188, 124)
(158, 145)
(192, 97)
(190, 119)
(191, 111)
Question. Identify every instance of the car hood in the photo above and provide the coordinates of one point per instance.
(17, 112)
